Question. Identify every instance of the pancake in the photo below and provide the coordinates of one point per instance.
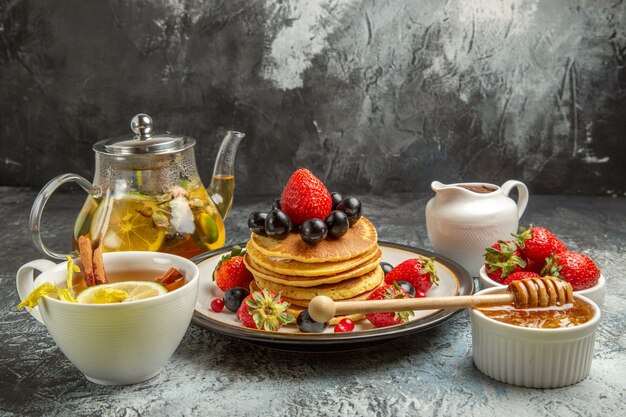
(360, 239)
(339, 291)
(298, 281)
(305, 303)
(296, 310)
(300, 269)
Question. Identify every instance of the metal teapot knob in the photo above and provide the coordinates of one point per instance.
(141, 124)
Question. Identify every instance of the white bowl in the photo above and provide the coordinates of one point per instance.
(595, 293)
(528, 357)
(123, 343)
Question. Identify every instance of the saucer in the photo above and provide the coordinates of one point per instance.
(454, 281)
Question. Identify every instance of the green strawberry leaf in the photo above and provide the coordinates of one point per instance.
(523, 236)
(429, 265)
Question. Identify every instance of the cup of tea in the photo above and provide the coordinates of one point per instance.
(117, 343)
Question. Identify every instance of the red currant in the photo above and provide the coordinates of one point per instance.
(340, 328)
(420, 294)
(217, 305)
(345, 325)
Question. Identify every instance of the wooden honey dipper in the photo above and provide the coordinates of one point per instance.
(525, 293)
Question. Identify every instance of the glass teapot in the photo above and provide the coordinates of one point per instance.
(147, 195)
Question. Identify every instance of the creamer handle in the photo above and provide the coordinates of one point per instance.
(25, 281)
(522, 194)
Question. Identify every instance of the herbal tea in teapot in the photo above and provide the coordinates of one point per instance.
(147, 195)
(183, 220)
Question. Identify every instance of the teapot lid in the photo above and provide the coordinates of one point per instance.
(144, 141)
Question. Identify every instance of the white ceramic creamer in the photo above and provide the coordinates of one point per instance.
(465, 218)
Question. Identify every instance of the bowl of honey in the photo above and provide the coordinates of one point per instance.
(547, 347)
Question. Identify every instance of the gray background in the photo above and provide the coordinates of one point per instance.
(372, 96)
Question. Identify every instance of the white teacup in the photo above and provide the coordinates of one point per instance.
(122, 343)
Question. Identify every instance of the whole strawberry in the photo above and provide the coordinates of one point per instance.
(264, 310)
(533, 266)
(420, 272)
(388, 292)
(538, 243)
(502, 259)
(516, 276)
(577, 269)
(305, 197)
(231, 272)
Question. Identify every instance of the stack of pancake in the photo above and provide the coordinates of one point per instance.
(342, 269)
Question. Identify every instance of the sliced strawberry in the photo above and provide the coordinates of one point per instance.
(577, 269)
(388, 292)
(538, 243)
(264, 310)
(420, 272)
(502, 259)
(305, 197)
(244, 316)
(231, 271)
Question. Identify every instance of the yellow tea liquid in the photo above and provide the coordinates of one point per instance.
(182, 221)
(222, 190)
(147, 274)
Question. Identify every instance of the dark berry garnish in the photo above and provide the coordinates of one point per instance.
(387, 267)
(336, 198)
(313, 231)
(256, 222)
(337, 224)
(217, 305)
(407, 287)
(295, 228)
(345, 325)
(233, 298)
(277, 224)
(276, 204)
(352, 207)
(308, 325)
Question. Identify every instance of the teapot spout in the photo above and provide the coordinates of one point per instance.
(222, 186)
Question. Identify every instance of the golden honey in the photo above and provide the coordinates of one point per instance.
(542, 318)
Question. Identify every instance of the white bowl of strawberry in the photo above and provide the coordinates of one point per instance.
(537, 252)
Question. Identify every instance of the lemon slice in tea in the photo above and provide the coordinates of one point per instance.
(120, 292)
(126, 224)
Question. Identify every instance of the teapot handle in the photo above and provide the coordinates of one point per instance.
(522, 194)
(40, 203)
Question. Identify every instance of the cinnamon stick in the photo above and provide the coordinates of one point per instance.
(100, 276)
(92, 260)
(86, 256)
(169, 276)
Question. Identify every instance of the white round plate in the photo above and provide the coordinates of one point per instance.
(454, 280)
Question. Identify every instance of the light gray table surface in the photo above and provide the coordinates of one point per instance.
(428, 373)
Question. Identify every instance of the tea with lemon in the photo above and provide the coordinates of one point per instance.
(182, 221)
(137, 280)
